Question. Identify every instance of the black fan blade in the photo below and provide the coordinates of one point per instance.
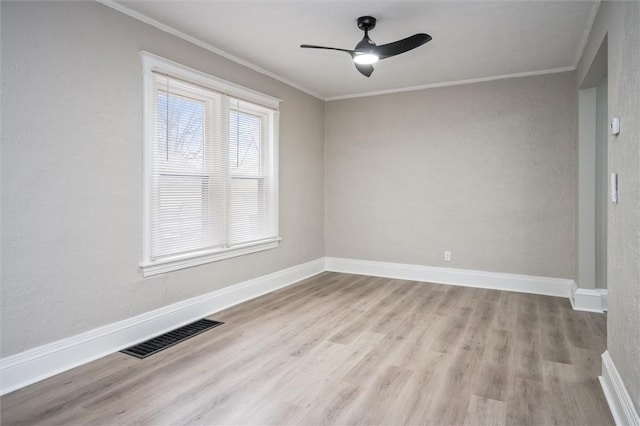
(365, 70)
(311, 46)
(401, 46)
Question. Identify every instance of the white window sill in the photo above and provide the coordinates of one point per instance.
(180, 262)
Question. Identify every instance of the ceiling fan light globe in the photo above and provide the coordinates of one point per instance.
(365, 58)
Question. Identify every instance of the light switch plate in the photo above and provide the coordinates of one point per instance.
(615, 126)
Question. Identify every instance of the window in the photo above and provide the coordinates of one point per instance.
(210, 168)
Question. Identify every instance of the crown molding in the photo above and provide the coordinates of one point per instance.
(453, 83)
(587, 32)
(168, 29)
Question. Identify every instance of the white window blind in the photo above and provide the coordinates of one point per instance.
(210, 170)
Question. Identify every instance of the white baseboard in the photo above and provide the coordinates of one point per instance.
(33, 365)
(464, 277)
(619, 400)
(589, 299)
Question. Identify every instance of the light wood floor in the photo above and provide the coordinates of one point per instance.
(348, 349)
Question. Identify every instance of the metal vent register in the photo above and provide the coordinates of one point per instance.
(171, 338)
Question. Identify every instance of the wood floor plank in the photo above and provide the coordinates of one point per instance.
(349, 349)
(525, 403)
(364, 371)
(577, 330)
(562, 404)
(399, 310)
(334, 404)
(414, 352)
(506, 312)
(527, 360)
(486, 412)
(492, 381)
(598, 329)
(555, 346)
(349, 331)
(370, 408)
(415, 403)
(589, 395)
(455, 393)
(450, 334)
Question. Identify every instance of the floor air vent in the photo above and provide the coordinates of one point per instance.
(171, 338)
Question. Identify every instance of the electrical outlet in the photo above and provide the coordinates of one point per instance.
(447, 256)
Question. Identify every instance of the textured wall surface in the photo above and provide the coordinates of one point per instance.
(620, 22)
(486, 170)
(72, 172)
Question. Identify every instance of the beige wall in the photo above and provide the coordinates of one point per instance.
(72, 170)
(486, 170)
(620, 23)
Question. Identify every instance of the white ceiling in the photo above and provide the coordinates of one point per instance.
(473, 40)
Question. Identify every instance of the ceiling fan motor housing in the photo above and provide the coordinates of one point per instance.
(366, 23)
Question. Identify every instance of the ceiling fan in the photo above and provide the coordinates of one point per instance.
(367, 53)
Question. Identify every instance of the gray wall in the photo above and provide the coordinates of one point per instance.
(602, 185)
(486, 170)
(72, 170)
(586, 193)
(620, 23)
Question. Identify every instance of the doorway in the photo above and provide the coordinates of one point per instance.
(593, 178)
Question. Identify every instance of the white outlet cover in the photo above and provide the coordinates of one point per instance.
(615, 126)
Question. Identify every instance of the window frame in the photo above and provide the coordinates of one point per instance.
(269, 107)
